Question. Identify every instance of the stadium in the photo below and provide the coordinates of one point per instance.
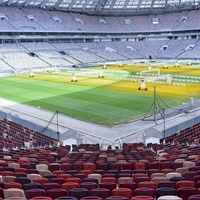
(99, 99)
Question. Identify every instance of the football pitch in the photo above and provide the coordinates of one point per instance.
(108, 101)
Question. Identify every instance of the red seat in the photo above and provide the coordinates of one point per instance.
(53, 167)
(1, 193)
(13, 185)
(69, 185)
(137, 175)
(34, 193)
(194, 168)
(86, 172)
(79, 175)
(73, 179)
(127, 166)
(109, 179)
(65, 166)
(165, 171)
(108, 185)
(186, 192)
(89, 185)
(125, 171)
(122, 192)
(41, 198)
(189, 175)
(65, 176)
(196, 178)
(152, 171)
(41, 180)
(140, 166)
(114, 166)
(153, 165)
(166, 165)
(167, 184)
(147, 184)
(100, 192)
(102, 166)
(21, 170)
(7, 173)
(32, 171)
(91, 198)
(19, 174)
(116, 198)
(176, 165)
(185, 183)
(142, 179)
(99, 171)
(58, 172)
(60, 181)
(49, 186)
(144, 191)
(109, 175)
(78, 166)
(194, 197)
(90, 166)
(130, 185)
(142, 198)
(56, 192)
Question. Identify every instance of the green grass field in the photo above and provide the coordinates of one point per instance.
(106, 101)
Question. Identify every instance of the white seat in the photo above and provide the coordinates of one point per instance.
(44, 172)
(42, 167)
(97, 176)
(17, 198)
(189, 164)
(13, 192)
(33, 176)
(13, 165)
(173, 174)
(179, 160)
(169, 197)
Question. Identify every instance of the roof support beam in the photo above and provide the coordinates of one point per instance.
(139, 4)
(71, 4)
(180, 3)
(112, 4)
(125, 4)
(166, 2)
(10, 2)
(152, 4)
(58, 3)
(100, 4)
(85, 5)
(43, 3)
(27, 3)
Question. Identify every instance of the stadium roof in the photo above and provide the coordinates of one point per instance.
(108, 6)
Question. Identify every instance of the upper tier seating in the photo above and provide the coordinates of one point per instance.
(38, 19)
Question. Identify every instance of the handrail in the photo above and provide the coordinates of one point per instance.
(120, 143)
(101, 144)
